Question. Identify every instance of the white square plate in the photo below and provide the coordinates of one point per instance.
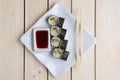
(56, 66)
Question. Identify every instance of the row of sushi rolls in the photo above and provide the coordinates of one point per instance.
(58, 43)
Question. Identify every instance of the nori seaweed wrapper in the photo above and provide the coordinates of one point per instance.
(63, 44)
(62, 33)
(65, 55)
(60, 22)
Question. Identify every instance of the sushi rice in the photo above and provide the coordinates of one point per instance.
(57, 53)
(55, 42)
(53, 20)
(55, 31)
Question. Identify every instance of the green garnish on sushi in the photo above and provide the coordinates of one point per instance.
(57, 53)
(55, 42)
(55, 31)
(52, 20)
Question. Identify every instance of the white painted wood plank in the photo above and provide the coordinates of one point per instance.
(11, 50)
(66, 3)
(85, 70)
(34, 70)
(108, 40)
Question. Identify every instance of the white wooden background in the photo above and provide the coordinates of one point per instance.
(102, 18)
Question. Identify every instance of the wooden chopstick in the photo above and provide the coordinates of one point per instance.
(81, 39)
(77, 25)
(79, 17)
(77, 53)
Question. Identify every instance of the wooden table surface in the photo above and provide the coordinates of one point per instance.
(101, 17)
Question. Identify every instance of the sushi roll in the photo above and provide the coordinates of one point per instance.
(53, 20)
(56, 21)
(57, 53)
(62, 33)
(55, 42)
(63, 44)
(60, 22)
(55, 31)
(65, 55)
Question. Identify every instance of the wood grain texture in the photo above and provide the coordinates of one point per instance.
(108, 40)
(12, 57)
(34, 70)
(85, 70)
(67, 3)
(11, 28)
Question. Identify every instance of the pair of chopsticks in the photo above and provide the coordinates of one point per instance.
(79, 52)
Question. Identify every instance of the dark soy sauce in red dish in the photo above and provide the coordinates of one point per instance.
(42, 39)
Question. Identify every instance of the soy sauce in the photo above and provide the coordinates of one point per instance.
(42, 39)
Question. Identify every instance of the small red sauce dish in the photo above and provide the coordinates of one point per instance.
(41, 39)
